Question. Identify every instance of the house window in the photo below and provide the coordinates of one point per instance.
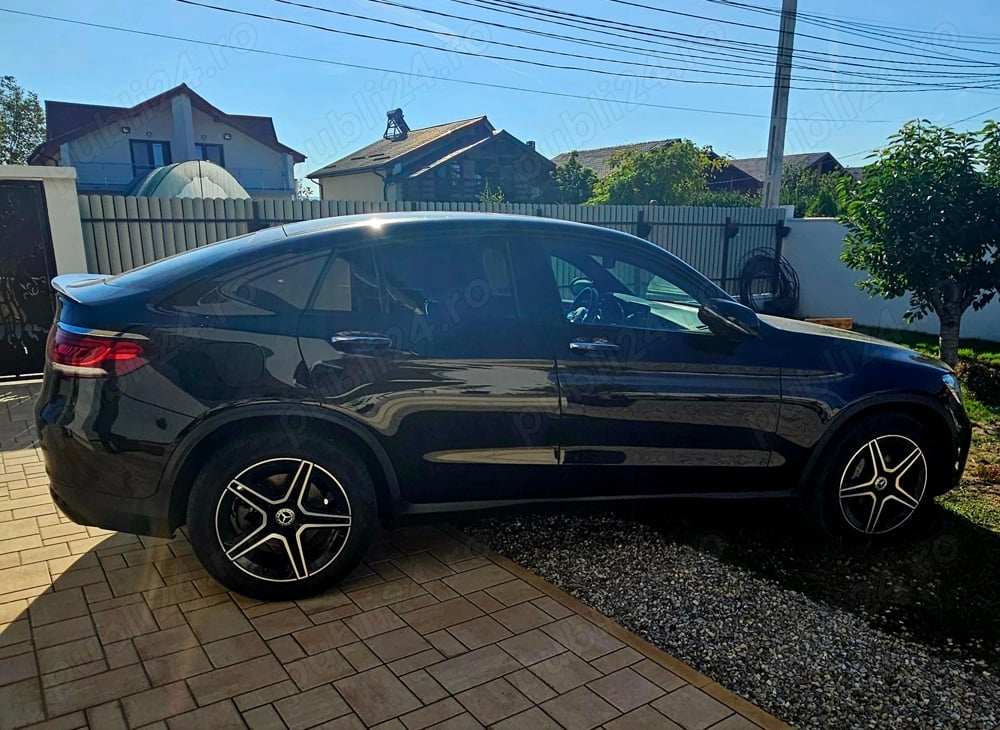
(147, 155)
(212, 153)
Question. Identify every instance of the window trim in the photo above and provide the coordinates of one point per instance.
(168, 157)
(222, 152)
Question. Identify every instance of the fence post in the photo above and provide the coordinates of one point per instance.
(255, 223)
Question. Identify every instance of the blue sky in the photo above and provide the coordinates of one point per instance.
(326, 110)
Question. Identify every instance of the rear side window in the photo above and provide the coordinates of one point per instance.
(448, 280)
(350, 283)
(165, 271)
(279, 285)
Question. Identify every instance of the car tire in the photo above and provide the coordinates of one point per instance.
(875, 479)
(278, 518)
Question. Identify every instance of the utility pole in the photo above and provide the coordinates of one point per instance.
(779, 105)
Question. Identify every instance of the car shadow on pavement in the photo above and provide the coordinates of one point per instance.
(939, 585)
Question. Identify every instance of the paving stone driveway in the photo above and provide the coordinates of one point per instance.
(109, 630)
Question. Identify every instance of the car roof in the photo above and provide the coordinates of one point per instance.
(380, 220)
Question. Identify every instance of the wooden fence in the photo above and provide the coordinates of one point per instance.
(121, 233)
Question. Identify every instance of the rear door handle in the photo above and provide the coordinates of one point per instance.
(360, 339)
(593, 345)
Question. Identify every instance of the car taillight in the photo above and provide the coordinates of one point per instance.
(93, 356)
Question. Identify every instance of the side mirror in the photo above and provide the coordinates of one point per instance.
(727, 318)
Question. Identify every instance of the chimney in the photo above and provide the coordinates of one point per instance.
(395, 126)
(530, 143)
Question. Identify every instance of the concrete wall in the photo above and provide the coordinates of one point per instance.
(63, 209)
(827, 288)
(359, 186)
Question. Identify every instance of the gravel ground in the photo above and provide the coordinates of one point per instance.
(812, 665)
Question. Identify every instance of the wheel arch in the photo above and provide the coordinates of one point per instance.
(923, 408)
(195, 446)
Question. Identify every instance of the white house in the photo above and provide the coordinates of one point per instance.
(111, 147)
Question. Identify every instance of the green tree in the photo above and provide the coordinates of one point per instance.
(925, 220)
(22, 123)
(812, 194)
(672, 175)
(575, 182)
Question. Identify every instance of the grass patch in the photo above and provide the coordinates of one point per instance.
(969, 347)
(981, 414)
(976, 507)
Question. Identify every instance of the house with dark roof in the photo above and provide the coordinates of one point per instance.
(451, 162)
(747, 175)
(597, 158)
(111, 146)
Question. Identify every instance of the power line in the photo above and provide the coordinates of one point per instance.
(536, 8)
(885, 38)
(364, 67)
(728, 69)
(847, 23)
(888, 86)
(601, 25)
(632, 49)
(977, 115)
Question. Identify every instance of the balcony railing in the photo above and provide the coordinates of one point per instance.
(115, 177)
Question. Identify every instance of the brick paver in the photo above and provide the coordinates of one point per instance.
(432, 631)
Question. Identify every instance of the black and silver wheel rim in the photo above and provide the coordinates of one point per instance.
(283, 519)
(883, 484)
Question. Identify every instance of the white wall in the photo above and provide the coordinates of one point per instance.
(259, 168)
(59, 184)
(103, 157)
(827, 287)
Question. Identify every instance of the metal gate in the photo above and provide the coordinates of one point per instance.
(27, 265)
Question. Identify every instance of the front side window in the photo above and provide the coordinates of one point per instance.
(147, 155)
(212, 153)
(603, 285)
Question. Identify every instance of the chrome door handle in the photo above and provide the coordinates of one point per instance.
(358, 338)
(593, 345)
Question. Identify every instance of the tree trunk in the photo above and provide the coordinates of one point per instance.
(951, 324)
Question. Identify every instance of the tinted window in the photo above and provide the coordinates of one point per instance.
(616, 287)
(447, 281)
(280, 285)
(349, 284)
(171, 269)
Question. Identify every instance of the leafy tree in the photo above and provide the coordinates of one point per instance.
(812, 194)
(726, 199)
(926, 220)
(304, 190)
(673, 175)
(575, 182)
(22, 123)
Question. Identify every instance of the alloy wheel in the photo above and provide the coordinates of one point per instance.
(883, 484)
(283, 519)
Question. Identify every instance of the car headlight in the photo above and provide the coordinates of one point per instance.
(952, 384)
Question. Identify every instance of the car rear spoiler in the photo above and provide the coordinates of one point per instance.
(83, 288)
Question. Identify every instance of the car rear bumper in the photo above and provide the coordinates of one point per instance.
(104, 454)
(86, 507)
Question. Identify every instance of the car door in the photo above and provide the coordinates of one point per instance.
(420, 336)
(653, 402)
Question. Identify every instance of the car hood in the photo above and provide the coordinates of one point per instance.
(888, 349)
